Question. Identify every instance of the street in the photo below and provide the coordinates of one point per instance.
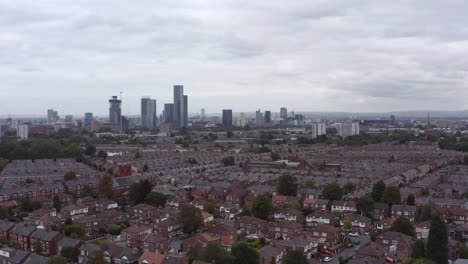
(348, 252)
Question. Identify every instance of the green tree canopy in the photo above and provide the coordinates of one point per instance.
(294, 257)
(418, 249)
(190, 218)
(391, 195)
(37, 247)
(403, 225)
(243, 254)
(156, 199)
(349, 187)
(437, 242)
(287, 185)
(139, 190)
(105, 186)
(377, 191)
(410, 199)
(365, 205)
(332, 192)
(57, 204)
(262, 207)
(97, 257)
(214, 253)
(68, 252)
(71, 175)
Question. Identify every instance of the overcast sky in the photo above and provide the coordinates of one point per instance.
(313, 55)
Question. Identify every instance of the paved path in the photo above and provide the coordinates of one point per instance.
(348, 252)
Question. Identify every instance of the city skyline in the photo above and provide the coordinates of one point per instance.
(359, 56)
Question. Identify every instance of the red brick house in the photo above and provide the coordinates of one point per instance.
(134, 234)
(327, 235)
(252, 225)
(47, 239)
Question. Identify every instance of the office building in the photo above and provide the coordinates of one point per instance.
(227, 118)
(22, 132)
(284, 113)
(148, 113)
(168, 115)
(318, 129)
(68, 118)
(180, 117)
(241, 120)
(88, 117)
(115, 111)
(267, 117)
(203, 115)
(258, 118)
(347, 129)
(125, 123)
(392, 120)
(52, 116)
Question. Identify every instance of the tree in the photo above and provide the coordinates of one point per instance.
(105, 186)
(349, 187)
(377, 191)
(228, 161)
(332, 192)
(294, 257)
(437, 242)
(403, 225)
(4, 212)
(262, 207)
(214, 253)
(96, 257)
(68, 252)
(418, 249)
(229, 134)
(464, 252)
(57, 203)
(391, 195)
(347, 224)
(243, 254)
(37, 247)
(410, 199)
(138, 155)
(138, 191)
(310, 184)
(57, 260)
(365, 205)
(90, 150)
(190, 218)
(145, 168)
(287, 185)
(87, 191)
(275, 156)
(156, 199)
(102, 154)
(71, 175)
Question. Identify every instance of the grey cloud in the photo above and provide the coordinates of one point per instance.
(319, 55)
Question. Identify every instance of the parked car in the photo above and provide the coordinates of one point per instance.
(357, 242)
(327, 259)
(349, 245)
(325, 251)
(354, 234)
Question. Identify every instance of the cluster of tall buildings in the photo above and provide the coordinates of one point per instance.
(176, 113)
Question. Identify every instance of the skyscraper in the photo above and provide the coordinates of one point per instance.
(22, 131)
(227, 118)
(258, 118)
(148, 113)
(284, 113)
(203, 115)
(168, 113)
(115, 111)
(318, 129)
(52, 116)
(180, 107)
(88, 117)
(267, 117)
